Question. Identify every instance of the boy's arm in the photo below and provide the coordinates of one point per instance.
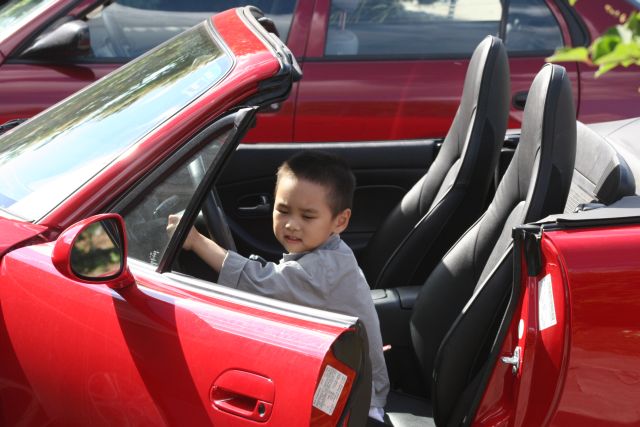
(210, 252)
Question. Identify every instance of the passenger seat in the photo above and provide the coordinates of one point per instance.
(600, 177)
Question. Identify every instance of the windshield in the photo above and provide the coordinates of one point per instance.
(46, 159)
(16, 13)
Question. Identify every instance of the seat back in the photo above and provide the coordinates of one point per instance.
(341, 41)
(600, 176)
(453, 193)
(456, 315)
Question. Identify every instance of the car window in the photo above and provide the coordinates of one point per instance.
(531, 27)
(15, 13)
(126, 29)
(46, 159)
(146, 218)
(434, 28)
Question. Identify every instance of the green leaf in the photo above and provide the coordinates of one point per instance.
(603, 45)
(569, 54)
(604, 68)
(633, 23)
(622, 52)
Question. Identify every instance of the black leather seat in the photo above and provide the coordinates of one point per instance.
(451, 344)
(453, 193)
(601, 176)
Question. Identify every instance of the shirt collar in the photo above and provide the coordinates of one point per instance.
(331, 243)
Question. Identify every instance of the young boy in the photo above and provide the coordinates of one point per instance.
(312, 206)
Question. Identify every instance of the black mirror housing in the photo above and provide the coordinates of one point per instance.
(71, 39)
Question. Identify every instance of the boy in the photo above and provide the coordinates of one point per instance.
(312, 206)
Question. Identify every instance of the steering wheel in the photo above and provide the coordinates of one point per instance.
(217, 221)
(116, 36)
(214, 216)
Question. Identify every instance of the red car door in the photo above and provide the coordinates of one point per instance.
(570, 350)
(165, 350)
(394, 70)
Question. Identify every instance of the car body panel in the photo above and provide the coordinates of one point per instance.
(574, 327)
(397, 97)
(146, 354)
(601, 266)
(16, 232)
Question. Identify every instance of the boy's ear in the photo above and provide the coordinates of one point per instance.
(342, 221)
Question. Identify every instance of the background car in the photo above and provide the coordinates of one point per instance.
(375, 70)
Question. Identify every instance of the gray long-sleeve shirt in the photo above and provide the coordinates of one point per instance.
(327, 278)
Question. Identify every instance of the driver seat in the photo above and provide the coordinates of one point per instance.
(459, 309)
(453, 193)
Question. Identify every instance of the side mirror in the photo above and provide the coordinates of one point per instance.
(94, 250)
(71, 39)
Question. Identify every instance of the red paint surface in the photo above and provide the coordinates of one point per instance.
(585, 370)
(15, 232)
(146, 355)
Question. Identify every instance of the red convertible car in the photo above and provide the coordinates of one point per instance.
(503, 271)
(400, 61)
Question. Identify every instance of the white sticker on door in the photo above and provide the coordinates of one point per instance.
(329, 390)
(546, 306)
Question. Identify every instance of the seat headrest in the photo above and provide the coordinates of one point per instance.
(549, 116)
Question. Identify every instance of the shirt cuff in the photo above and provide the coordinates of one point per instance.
(376, 413)
(231, 270)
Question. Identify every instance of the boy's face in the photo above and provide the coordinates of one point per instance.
(302, 218)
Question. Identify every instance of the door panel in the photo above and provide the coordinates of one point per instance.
(523, 70)
(377, 100)
(391, 70)
(384, 173)
(149, 354)
(48, 84)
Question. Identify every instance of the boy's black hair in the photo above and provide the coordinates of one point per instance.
(324, 169)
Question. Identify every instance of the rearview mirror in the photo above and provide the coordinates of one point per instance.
(71, 39)
(94, 251)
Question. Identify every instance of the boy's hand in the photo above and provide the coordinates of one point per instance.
(172, 224)
(212, 253)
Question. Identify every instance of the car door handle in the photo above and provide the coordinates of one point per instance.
(257, 205)
(243, 394)
(519, 100)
